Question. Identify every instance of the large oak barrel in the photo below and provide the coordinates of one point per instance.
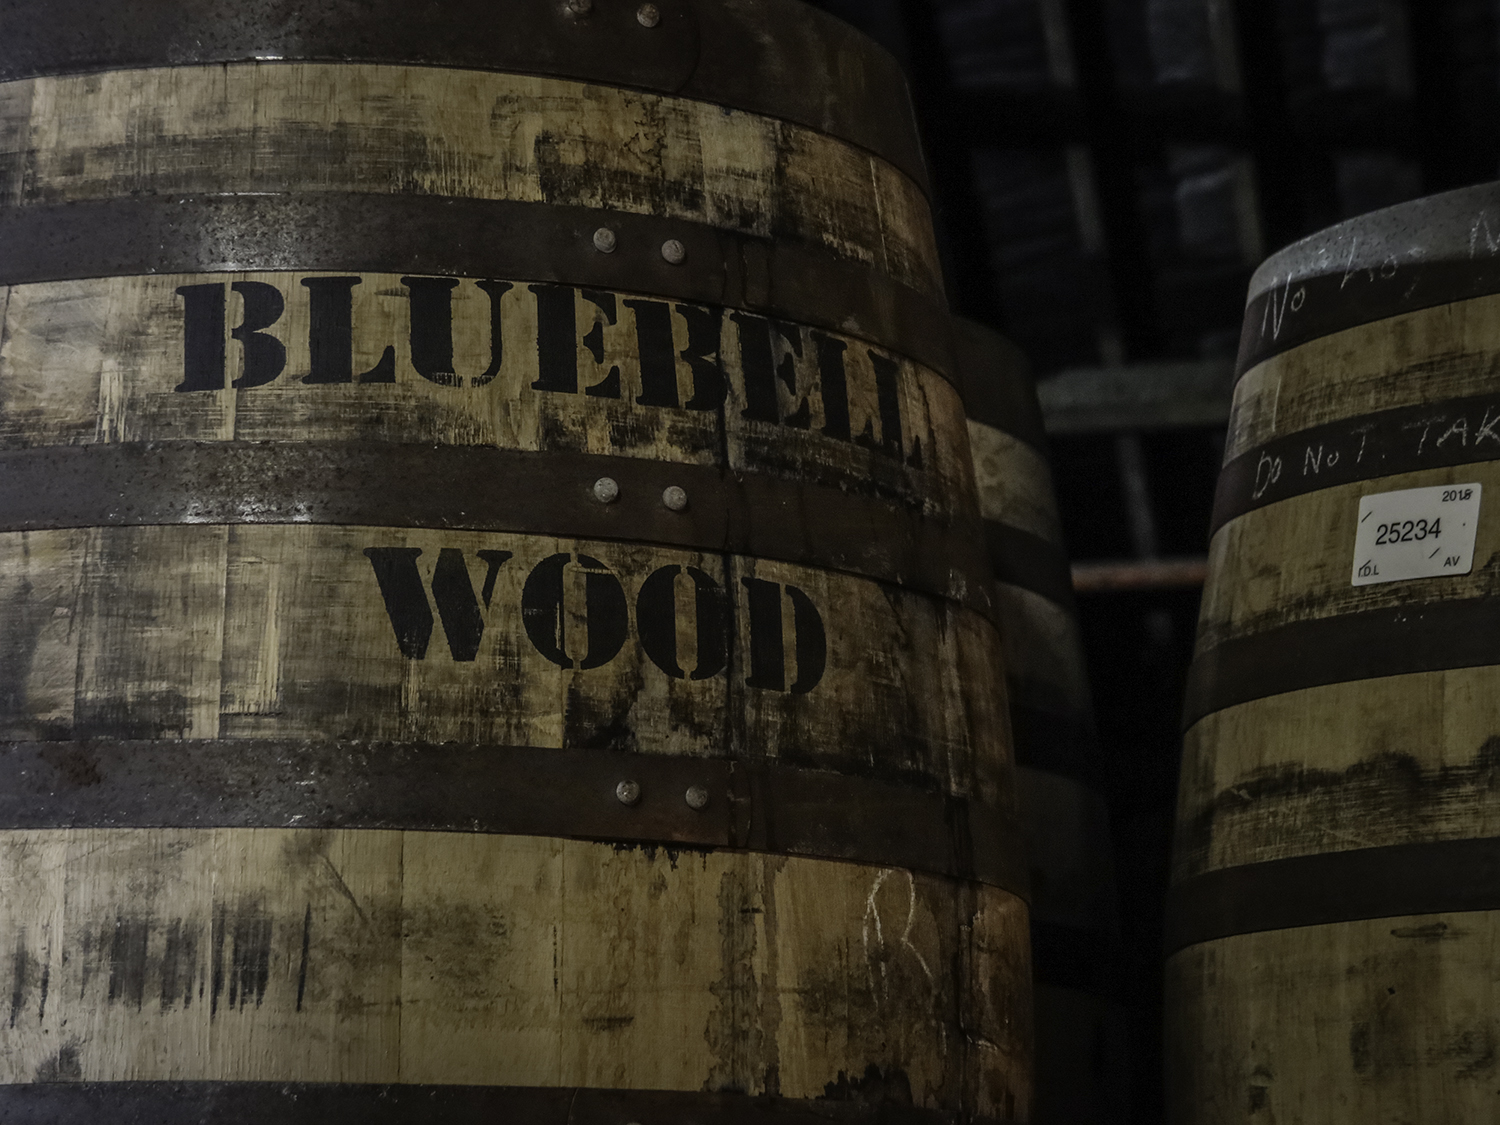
(1080, 1063)
(496, 625)
(1333, 917)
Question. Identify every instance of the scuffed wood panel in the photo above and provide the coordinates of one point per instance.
(299, 631)
(1448, 351)
(1014, 483)
(1293, 560)
(1389, 1020)
(283, 955)
(106, 360)
(1364, 764)
(307, 127)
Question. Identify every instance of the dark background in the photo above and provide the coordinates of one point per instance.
(1106, 175)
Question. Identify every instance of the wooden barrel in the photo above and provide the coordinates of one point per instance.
(1333, 915)
(1080, 1064)
(497, 625)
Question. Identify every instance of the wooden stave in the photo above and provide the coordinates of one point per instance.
(1012, 1082)
(770, 57)
(1022, 527)
(288, 127)
(1320, 882)
(1080, 1051)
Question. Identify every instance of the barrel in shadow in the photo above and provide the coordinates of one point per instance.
(1332, 911)
(1081, 1054)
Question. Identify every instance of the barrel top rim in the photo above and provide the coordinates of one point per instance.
(739, 54)
(1434, 228)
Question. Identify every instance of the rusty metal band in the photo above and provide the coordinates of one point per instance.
(1305, 309)
(480, 488)
(1434, 637)
(996, 383)
(312, 1103)
(515, 240)
(1029, 562)
(506, 790)
(1049, 735)
(1398, 881)
(771, 57)
(1434, 435)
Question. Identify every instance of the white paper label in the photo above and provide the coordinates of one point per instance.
(1416, 533)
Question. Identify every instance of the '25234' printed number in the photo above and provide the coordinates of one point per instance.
(1407, 531)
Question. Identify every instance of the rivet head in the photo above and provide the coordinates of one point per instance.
(606, 490)
(579, 7)
(674, 252)
(605, 241)
(674, 498)
(629, 792)
(697, 797)
(648, 15)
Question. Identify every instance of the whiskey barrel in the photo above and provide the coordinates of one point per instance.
(1065, 822)
(497, 622)
(1334, 904)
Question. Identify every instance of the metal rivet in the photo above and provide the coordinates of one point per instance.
(606, 490)
(697, 797)
(629, 792)
(674, 251)
(605, 241)
(674, 498)
(579, 7)
(648, 15)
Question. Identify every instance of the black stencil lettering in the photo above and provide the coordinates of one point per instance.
(544, 614)
(330, 333)
(705, 333)
(767, 652)
(457, 606)
(812, 642)
(495, 560)
(609, 386)
(608, 615)
(202, 337)
(768, 644)
(432, 328)
(656, 622)
(653, 335)
(494, 290)
(833, 382)
(758, 359)
(265, 356)
(556, 339)
(888, 397)
(653, 327)
(405, 600)
(384, 370)
(432, 332)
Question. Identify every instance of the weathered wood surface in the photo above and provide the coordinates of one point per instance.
(1419, 357)
(1363, 764)
(244, 950)
(286, 631)
(263, 955)
(309, 127)
(1043, 654)
(1014, 482)
(1389, 1020)
(1292, 561)
(106, 360)
(1367, 1018)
